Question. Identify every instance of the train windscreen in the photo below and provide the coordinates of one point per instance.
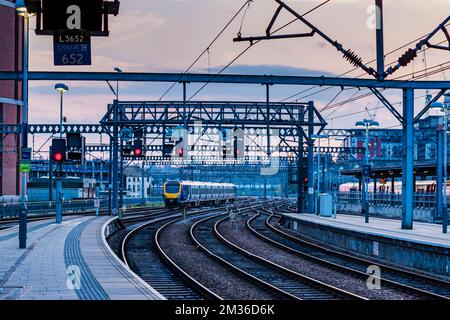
(172, 187)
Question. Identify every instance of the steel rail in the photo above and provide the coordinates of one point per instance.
(349, 258)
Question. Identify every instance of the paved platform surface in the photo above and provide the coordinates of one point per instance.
(69, 261)
(425, 233)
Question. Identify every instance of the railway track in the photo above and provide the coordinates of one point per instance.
(142, 252)
(275, 278)
(262, 225)
(11, 222)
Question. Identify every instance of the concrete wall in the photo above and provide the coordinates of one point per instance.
(410, 254)
(10, 60)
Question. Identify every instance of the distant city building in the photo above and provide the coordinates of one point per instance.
(134, 186)
(386, 145)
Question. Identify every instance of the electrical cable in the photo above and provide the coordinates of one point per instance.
(356, 68)
(251, 45)
(209, 46)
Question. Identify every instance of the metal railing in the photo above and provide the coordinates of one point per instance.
(420, 200)
(11, 209)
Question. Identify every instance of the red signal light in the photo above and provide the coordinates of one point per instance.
(57, 156)
(180, 152)
(137, 152)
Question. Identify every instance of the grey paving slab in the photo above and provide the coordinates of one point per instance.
(40, 271)
(114, 277)
(41, 266)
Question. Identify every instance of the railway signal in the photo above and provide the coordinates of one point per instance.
(238, 148)
(59, 150)
(75, 147)
(126, 151)
(138, 151)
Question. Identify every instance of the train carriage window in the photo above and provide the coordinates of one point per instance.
(172, 187)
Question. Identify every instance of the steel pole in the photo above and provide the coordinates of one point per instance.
(268, 120)
(311, 177)
(300, 170)
(143, 185)
(439, 174)
(115, 159)
(24, 209)
(121, 175)
(184, 110)
(101, 175)
(408, 158)
(366, 179)
(444, 197)
(380, 38)
(50, 176)
(61, 115)
(318, 179)
(59, 197)
(110, 176)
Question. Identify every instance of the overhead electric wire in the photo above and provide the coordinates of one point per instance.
(251, 45)
(373, 109)
(247, 2)
(339, 104)
(328, 88)
(334, 111)
(356, 68)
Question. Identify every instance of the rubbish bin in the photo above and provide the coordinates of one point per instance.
(326, 205)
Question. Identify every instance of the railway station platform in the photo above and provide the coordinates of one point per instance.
(425, 248)
(68, 261)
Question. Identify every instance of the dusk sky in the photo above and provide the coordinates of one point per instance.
(167, 35)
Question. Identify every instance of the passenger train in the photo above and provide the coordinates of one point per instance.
(424, 186)
(191, 193)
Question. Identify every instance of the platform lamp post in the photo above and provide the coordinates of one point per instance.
(61, 88)
(22, 10)
(118, 70)
(366, 124)
(444, 107)
(318, 137)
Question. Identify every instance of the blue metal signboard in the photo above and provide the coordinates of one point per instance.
(126, 134)
(72, 48)
(25, 154)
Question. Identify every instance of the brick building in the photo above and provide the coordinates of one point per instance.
(11, 30)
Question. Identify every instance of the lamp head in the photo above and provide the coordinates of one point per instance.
(374, 124)
(447, 98)
(61, 87)
(437, 105)
(360, 124)
(20, 6)
(117, 69)
(23, 10)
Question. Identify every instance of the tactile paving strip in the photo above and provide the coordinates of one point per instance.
(90, 289)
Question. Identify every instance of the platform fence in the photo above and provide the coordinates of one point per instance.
(390, 204)
(11, 209)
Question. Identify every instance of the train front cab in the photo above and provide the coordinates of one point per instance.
(172, 193)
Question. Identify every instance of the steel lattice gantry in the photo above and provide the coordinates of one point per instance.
(286, 122)
(288, 118)
(299, 118)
